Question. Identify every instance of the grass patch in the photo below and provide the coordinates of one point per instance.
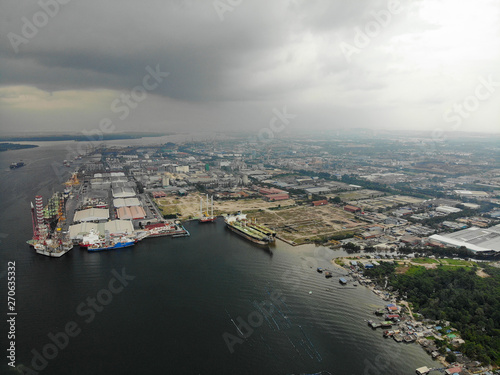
(340, 262)
(414, 270)
(448, 268)
(457, 262)
(424, 260)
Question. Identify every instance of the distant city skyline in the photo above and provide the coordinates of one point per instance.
(235, 65)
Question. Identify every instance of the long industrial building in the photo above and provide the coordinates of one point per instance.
(91, 214)
(123, 202)
(115, 227)
(131, 213)
(123, 192)
(480, 240)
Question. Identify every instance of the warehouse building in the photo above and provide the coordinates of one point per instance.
(91, 214)
(115, 227)
(131, 213)
(323, 202)
(123, 202)
(478, 240)
(277, 197)
(448, 210)
(123, 192)
(352, 209)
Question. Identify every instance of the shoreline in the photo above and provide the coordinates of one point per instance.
(392, 299)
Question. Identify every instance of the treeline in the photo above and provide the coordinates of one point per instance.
(81, 137)
(14, 146)
(381, 272)
(449, 252)
(469, 302)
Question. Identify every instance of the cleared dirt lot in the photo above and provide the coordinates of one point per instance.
(298, 224)
(189, 206)
(302, 224)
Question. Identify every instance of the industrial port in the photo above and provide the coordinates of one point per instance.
(97, 211)
(107, 210)
(135, 192)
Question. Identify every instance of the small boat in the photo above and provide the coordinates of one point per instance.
(342, 281)
(328, 274)
(15, 165)
(319, 269)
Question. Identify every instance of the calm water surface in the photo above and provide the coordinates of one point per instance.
(173, 316)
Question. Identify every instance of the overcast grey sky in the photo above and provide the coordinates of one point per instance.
(67, 65)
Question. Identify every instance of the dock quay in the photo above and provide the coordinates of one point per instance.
(101, 206)
(425, 370)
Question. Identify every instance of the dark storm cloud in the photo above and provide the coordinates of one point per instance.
(90, 44)
(231, 62)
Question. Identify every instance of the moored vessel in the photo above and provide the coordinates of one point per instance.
(271, 234)
(57, 246)
(205, 216)
(160, 229)
(16, 165)
(96, 242)
(238, 225)
(113, 245)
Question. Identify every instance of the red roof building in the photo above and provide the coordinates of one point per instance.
(392, 316)
(267, 191)
(352, 209)
(277, 197)
(134, 212)
(320, 203)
